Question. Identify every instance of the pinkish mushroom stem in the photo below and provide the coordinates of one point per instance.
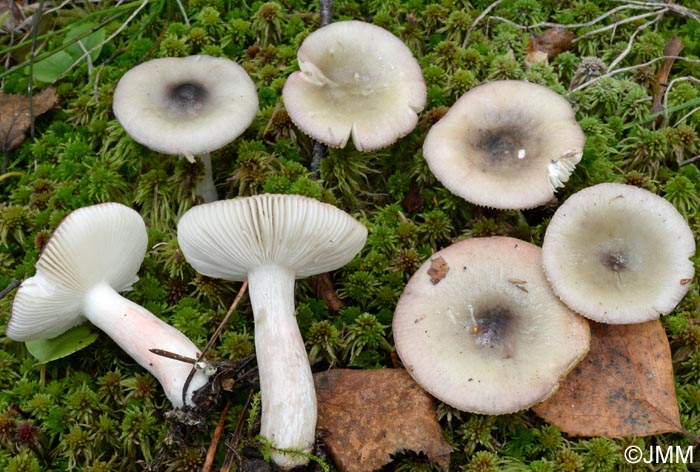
(136, 330)
(288, 394)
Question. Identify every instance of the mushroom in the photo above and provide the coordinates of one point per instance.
(478, 327)
(186, 106)
(358, 80)
(94, 253)
(618, 254)
(272, 240)
(505, 144)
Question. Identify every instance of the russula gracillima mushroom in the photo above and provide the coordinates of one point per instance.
(618, 254)
(187, 106)
(485, 333)
(357, 81)
(94, 253)
(272, 240)
(505, 144)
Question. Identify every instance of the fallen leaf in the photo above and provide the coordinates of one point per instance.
(548, 44)
(14, 115)
(323, 286)
(368, 415)
(438, 270)
(673, 47)
(624, 386)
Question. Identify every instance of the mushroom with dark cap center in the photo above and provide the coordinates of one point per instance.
(489, 337)
(187, 106)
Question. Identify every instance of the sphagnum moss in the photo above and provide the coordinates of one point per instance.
(79, 156)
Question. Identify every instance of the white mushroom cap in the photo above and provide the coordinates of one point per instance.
(228, 238)
(185, 105)
(618, 254)
(105, 242)
(505, 144)
(486, 334)
(94, 253)
(358, 80)
(271, 240)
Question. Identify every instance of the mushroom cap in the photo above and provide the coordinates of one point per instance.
(505, 144)
(228, 238)
(358, 80)
(618, 254)
(185, 105)
(100, 243)
(484, 332)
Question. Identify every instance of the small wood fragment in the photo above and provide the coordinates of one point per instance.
(438, 270)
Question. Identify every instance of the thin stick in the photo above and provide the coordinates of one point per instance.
(113, 35)
(320, 150)
(668, 89)
(235, 436)
(618, 23)
(211, 452)
(627, 50)
(35, 32)
(630, 68)
(10, 287)
(184, 13)
(478, 19)
(214, 337)
(689, 161)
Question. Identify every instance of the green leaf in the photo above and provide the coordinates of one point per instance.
(73, 340)
(52, 67)
(88, 42)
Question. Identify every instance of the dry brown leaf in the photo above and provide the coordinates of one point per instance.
(548, 44)
(14, 115)
(438, 270)
(673, 47)
(323, 286)
(624, 387)
(367, 415)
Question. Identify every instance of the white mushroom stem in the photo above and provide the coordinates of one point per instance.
(136, 330)
(286, 383)
(205, 185)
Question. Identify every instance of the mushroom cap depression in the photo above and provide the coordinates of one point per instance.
(505, 144)
(358, 80)
(226, 239)
(104, 242)
(478, 327)
(618, 254)
(185, 105)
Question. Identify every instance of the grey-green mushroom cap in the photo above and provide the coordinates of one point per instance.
(618, 254)
(506, 144)
(185, 105)
(478, 327)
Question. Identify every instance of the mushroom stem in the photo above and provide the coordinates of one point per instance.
(288, 394)
(136, 330)
(205, 184)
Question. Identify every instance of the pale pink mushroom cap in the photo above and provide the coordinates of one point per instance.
(488, 336)
(356, 80)
(505, 144)
(185, 105)
(619, 254)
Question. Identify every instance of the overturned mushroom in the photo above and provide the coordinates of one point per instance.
(272, 240)
(186, 106)
(505, 144)
(94, 253)
(489, 336)
(618, 254)
(356, 80)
